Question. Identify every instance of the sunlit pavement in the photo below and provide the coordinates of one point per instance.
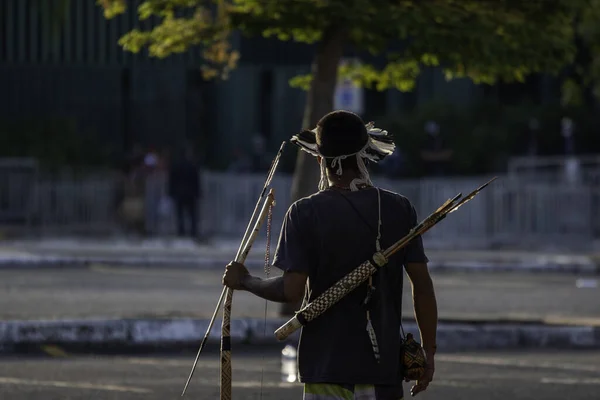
(127, 292)
(524, 375)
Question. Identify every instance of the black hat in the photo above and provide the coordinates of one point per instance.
(343, 133)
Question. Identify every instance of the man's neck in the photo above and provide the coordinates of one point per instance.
(344, 180)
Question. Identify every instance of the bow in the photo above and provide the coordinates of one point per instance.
(361, 273)
(246, 244)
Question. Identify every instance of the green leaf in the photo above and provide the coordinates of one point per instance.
(301, 81)
(112, 8)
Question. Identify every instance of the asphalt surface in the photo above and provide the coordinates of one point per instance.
(105, 291)
(173, 251)
(515, 376)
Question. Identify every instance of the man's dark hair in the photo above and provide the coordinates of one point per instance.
(340, 133)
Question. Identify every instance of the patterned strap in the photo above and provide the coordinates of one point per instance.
(370, 287)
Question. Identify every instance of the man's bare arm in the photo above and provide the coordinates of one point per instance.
(288, 288)
(425, 304)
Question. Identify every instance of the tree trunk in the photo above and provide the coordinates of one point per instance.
(319, 101)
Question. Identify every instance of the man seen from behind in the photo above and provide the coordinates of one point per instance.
(323, 238)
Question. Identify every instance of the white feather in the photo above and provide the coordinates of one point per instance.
(377, 132)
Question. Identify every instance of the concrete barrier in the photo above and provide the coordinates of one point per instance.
(131, 333)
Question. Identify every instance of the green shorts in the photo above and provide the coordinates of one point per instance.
(330, 391)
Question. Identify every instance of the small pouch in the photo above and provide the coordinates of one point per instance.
(412, 359)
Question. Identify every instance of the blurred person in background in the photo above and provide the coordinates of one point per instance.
(132, 205)
(165, 204)
(260, 160)
(436, 155)
(185, 190)
(240, 162)
(152, 191)
(394, 166)
(326, 236)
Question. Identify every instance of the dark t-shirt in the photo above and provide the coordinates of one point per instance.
(324, 237)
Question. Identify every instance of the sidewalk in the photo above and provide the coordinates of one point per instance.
(125, 306)
(218, 252)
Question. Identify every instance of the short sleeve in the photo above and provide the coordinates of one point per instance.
(415, 253)
(294, 250)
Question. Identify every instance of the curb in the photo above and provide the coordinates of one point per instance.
(59, 261)
(516, 266)
(174, 333)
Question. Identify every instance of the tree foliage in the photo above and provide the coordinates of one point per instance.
(586, 71)
(482, 40)
(183, 24)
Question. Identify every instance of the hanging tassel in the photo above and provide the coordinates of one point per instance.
(323, 182)
(268, 249)
(267, 273)
(373, 339)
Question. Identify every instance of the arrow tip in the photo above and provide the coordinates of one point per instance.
(487, 183)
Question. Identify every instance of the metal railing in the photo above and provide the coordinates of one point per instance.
(17, 184)
(509, 212)
(556, 169)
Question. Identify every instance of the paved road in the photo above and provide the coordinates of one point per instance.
(101, 291)
(178, 250)
(494, 376)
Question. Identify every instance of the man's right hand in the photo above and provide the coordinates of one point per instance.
(424, 382)
(426, 316)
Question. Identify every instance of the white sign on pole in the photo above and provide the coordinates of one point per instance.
(348, 96)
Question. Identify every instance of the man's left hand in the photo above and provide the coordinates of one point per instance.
(234, 275)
